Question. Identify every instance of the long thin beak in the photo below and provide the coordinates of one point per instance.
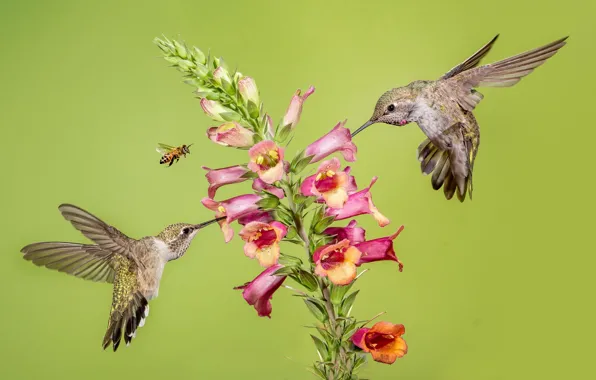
(205, 224)
(366, 125)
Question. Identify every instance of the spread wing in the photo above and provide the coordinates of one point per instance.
(504, 73)
(164, 148)
(88, 262)
(105, 236)
(471, 62)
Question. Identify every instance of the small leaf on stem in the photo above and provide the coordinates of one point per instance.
(347, 303)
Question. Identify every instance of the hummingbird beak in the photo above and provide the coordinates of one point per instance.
(205, 224)
(366, 125)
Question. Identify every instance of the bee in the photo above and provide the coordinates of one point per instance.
(171, 153)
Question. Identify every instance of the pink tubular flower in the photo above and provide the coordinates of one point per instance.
(383, 341)
(224, 176)
(215, 110)
(337, 261)
(330, 184)
(231, 134)
(262, 241)
(338, 140)
(359, 203)
(260, 185)
(379, 250)
(256, 216)
(233, 209)
(292, 116)
(266, 159)
(351, 232)
(259, 291)
(248, 90)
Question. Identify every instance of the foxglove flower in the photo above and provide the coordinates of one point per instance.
(262, 241)
(248, 90)
(266, 159)
(232, 209)
(337, 262)
(351, 232)
(256, 216)
(379, 250)
(260, 185)
(259, 291)
(218, 112)
(292, 116)
(383, 341)
(231, 134)
(330, 184)
(358, 204)
(224, 176)
(338, 140)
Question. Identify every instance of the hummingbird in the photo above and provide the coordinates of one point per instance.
(443, 110)
(134, 267)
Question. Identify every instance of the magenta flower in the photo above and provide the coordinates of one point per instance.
(224, 176)
(292, 116)
(358, 204)
(338, 140)
(351, 232)
(337, 262)
(231, 134)
(233, 209)
(262, 241)
(256, 216)
(248, 90)
(260, 185)
(330, 184)
(266, 159)
(379, 250)
(215, 110)
(259, 291)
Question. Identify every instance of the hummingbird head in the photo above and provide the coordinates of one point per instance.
(394, 107)
(178, 236)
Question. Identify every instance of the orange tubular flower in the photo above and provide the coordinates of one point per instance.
(337, 262)
(383, 341)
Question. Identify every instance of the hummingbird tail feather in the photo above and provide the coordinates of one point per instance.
(126, 318)
(437, 161)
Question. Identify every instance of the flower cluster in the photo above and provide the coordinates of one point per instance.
(275, 212)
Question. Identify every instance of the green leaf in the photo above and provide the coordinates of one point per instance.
(285, 271)
(282, 134)
(307, 202)
(349, 330)
(322, 224)
(301, 164)
(320, 373)
(294, 241)
(249, 175)
(230, 116)
(290, 260)
(321, 347)
(359, 362)
(316, 309)
(329, 339)
(338, 293)
(253, 109)
(306, 279)
(268, 203)
(292, 233)
(180, 49)
(347, 303)
(284, 216)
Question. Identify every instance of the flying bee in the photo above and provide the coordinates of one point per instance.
(171, 153)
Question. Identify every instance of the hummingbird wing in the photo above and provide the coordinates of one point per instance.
(504, 73)
(88, 262)
(472, 61)
(105, 236)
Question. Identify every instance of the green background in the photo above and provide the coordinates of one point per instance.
(501, 287)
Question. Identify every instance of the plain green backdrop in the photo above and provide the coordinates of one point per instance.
(501, 287)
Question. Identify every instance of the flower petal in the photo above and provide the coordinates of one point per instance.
(338, 140)
(259, 291)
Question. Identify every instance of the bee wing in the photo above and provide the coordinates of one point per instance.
(164, 148)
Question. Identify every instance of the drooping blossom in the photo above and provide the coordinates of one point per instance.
(384, 341)
(330, 183)
(358, 204)
(216, 111)
(248, 90)
(337, 262)
(256, 216)
(260, 185)
(292, 116)
(262, 241)
(351, 232)
(259, 291)
(231, 134)
(379, 250)
(232, 209)
(224, 176)
(338, 140)
(266, 159)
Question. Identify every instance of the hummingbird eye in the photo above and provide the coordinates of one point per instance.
(186, 230)
(391, 108)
